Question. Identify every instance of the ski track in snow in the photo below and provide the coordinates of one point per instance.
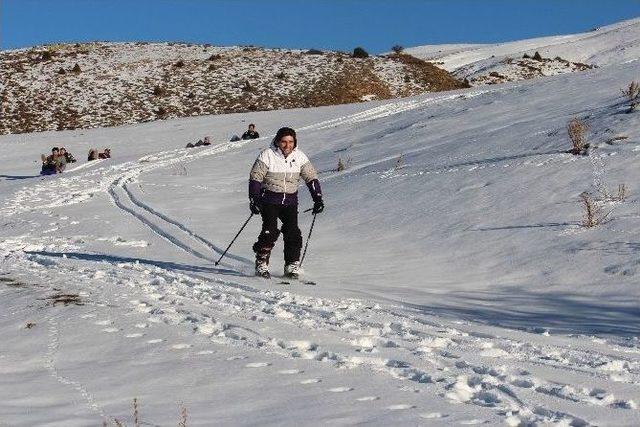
(434, 356)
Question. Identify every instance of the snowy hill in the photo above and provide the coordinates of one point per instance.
(456, 282)
(87, 85)
(607, 45)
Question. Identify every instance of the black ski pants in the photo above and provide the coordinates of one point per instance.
(269, 235)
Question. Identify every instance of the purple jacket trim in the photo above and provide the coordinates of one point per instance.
(315, 190)
(255, 188)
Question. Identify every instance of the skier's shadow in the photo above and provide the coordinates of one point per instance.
(167, 265)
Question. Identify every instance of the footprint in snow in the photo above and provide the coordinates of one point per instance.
(136, 335)
(367, 398)
(203, 352)
(290, 372)
(340, 389)
(103, 322)
(432, 415)
(311, 381)
(110, 330)
(180, 346)
(141, 325)
(400, 407)
(257, 365)
(236, 358)
(87, 316)
(472, 422)
(155, 341)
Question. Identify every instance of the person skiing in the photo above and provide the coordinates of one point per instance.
(273, 194)
(251, 133)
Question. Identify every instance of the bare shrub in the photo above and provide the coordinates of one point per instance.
(183, 416)
(397, 48)
(76, 69)
(61, 71)
(314, 52)
(593, 214)
(622, 193)
(159, 91)
(632, 93)
(577, 130)
(526, 56)
(136, 421)
(281, 75)
(215, 57)
(399, 162)
(179, 64)
(342, 165)
(359, 52)
(591, 211)
(161, 112)
(537, 56)
(46, 56)
(247, 87)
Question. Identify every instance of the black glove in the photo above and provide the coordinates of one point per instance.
(318, 207)
(255, 205)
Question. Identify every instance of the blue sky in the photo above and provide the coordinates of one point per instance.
(325, 24)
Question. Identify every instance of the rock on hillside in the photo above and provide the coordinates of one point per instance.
(71, 86)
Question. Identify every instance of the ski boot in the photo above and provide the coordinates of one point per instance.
(292, 270)
(262, 266)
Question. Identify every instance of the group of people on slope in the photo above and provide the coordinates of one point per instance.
(56, 162)
(251, 133)
(273, 194)
(95, 154)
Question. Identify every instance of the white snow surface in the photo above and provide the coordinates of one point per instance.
(607, 45)
(455, 286)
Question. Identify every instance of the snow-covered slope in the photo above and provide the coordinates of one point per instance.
(455, 283)
(607, 45)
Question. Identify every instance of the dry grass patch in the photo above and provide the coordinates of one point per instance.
(632, 93)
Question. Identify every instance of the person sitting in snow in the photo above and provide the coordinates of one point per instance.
(273, 193)
(251, 133)
(106, 154)
(61, 160)
(49, 162)
(67, 155)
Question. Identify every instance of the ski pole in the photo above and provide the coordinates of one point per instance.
(308, 237)
(234, 239)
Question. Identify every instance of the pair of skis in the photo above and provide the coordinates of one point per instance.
(288, 280)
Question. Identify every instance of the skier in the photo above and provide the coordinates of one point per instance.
(273, 193)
